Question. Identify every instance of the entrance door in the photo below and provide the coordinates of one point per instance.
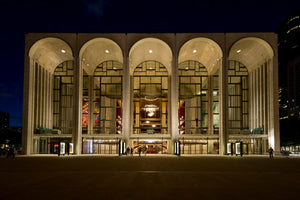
(194, 148)
(105, 148)
(151, 146)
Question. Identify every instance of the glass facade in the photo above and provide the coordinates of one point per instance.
(107, 98)
(199, 146)
(150, 98)
(216, 105)
(100, 146)
(63, 98)
(238, 97)
(193, 98)
(85, 103)
(104, 99)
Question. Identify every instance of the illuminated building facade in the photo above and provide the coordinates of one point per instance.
(188, 93)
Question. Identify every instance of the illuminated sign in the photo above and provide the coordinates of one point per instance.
(238, 148)
(71, 148)
(229, 146)
(62, 148)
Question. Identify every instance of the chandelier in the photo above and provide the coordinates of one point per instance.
(150, 109)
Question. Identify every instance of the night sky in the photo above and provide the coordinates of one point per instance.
(18, 17)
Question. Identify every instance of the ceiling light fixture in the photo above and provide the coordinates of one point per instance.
(63, 51)
(194, 51)
(106, 51)
(238, 51)
(150, 51)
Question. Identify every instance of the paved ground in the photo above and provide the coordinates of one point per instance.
(150, 177)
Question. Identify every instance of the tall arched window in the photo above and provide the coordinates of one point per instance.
(107, 98)
(193, 98)
(238, 97)
(63, 97)
(150, 90)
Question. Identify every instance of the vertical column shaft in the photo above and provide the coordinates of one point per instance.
(173, 127)
(77, 100)
(126, 114)
(223, 82)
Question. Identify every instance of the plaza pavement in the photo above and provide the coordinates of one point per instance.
(149, 177)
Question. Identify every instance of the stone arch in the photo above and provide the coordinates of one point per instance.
(98, 50)
(203, 50)
(150, 49)
(251, 51)
(50, 52)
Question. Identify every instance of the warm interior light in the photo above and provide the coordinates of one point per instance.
(87, 64)
(106, 51)
(150, 51)
(150, 108)
(153, 125)
(63, 51)
(238, 51)
(147, 122)
(150, 114)
(194, 51)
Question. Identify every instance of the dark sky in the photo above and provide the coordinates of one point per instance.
(18, 17)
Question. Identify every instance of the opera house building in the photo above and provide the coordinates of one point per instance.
(164, 93)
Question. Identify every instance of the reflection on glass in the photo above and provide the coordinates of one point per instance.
(107, 98)
(193, 98)
(63, 97)
(237, 97)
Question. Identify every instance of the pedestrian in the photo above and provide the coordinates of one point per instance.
(10, 153)
(58, 151)
(140, 150)
(131, 151)
(271, 152)
(68, 148)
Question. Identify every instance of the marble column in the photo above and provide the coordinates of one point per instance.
(126, 101)
(223, 82)
(77, 108)
(173, 114)
(28, 106)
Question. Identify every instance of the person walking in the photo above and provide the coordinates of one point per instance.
(271, 152)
